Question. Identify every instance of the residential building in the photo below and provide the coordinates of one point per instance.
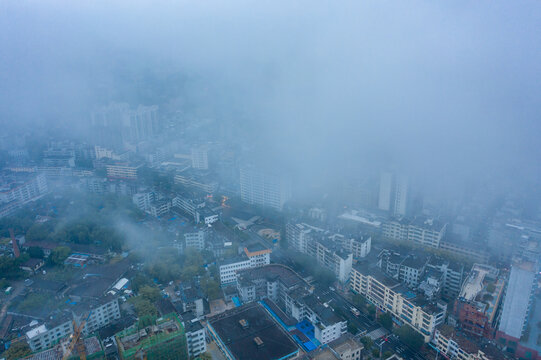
(453, 345)
(465, 249)
(359, 247)
(453, 275)
(249, 332)
(328, 250)
(305, 305)
(330, 255)
(271, 281)
(264, 188)
(144, 200)
(393, 194)
(388, 295)
(192, 298)
(122, 171)
(347, 347)
(116, 125)
(299, 235)
(195, 240)
(195, 336)
(100, 314)
(159, 208)
(189, 206)
(23, 188)
(201, 182)
(400, 196)
(199, 156)
(254, 255)
(418, 231)
(477, 305)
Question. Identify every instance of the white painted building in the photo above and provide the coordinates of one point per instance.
(252, 257)
(264, 188)
(199, 156)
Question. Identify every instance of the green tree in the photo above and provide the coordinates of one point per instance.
(371, 310)
(359, 301)
(59, 254)
(17, 350)
(150, 293)
(352, 328)
(410, 337)
(367, 342)
(138, 281)
(387, 354)
(211, 288)
(9, 267)
(143, 307)
(386, 320)
(375, 352)
(38, 232)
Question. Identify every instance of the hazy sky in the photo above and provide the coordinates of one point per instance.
(441, 88)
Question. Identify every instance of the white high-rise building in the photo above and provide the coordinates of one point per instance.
(263, 188)
(393, 193)
(116, 124)
(400, 196)
(200, 158)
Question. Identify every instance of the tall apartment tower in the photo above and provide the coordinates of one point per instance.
(116, 124)
(400, 196)
(385, 191)
(264, 188)
(200, 159)
(393, 194)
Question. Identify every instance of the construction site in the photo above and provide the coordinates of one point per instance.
(163, 340)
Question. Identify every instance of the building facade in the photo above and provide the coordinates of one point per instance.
(264, 189)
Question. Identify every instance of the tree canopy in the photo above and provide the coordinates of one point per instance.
(410, 337)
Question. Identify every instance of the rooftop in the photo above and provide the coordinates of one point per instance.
(475, 281)
(346, 342)
(272, 272)
(249, 332)
(372, 270)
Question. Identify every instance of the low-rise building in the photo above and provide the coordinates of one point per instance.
(347, 347)
(195, 335)
(389, 295)
(98, 314)
(330, 255)
(195, 240)
(144, 200)
(477, 305)
(159, 208)
(119, 170)
(249, 332)
(254, 255)
(360, 247)
(453, 345)
(418, 231)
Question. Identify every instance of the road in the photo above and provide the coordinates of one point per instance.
(18, 287)
(393, 344)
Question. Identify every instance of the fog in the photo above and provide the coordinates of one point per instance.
(447, 92)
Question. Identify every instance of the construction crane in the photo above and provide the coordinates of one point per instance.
(76, 339)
